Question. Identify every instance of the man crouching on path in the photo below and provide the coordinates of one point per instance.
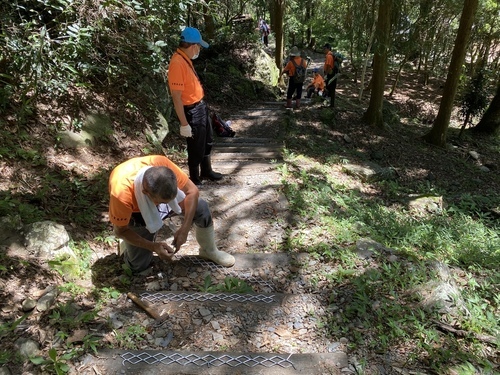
(143, 191)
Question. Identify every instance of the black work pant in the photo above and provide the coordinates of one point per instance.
(200, 144)
(332, 86)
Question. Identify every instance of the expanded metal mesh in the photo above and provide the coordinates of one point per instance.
(202, 297)
(207, 360)
(227, 271)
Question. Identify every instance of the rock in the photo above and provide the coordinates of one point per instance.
(215, 325)
(47, 300)
(204, 312)
(484, 168)
(5, 371)
(442, 296)
(474, 155)
(48, 240)
(431, 204)
(217, 337)
(28, 304)
(369, 172)
(27, 347)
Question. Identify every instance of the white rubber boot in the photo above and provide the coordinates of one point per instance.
(208, 249)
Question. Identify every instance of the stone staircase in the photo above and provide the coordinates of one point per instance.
(279, 327)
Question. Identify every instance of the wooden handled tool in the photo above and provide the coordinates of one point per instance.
(144, 305)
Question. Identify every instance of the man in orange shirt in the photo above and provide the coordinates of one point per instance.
(331, 70)
(293, 64)
(317, 85)
(192, 112)
(143, 192)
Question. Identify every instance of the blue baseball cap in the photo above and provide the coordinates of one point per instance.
(192, 35)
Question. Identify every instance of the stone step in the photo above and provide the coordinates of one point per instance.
(212, 363)
(236, 139)
(247, 156)
(245, 167)
(245, 148)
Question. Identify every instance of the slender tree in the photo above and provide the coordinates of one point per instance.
(490, 122)
(373, 115)
(278, 14)
(437, 134)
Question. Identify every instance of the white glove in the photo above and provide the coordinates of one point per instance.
(186, 131)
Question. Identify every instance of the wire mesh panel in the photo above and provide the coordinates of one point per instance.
(203, 297)
(207, 360)
(226, 271)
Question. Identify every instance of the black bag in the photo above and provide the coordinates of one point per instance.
(300, 72)
(221, 127)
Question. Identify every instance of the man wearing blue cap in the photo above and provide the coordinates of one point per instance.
(192, 112)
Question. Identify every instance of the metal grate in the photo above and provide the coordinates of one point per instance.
(227, 271)
(207, 360)
(203, 297)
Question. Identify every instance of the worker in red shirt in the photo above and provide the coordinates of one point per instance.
(192, 112)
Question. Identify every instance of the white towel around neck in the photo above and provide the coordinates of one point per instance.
(150, 213)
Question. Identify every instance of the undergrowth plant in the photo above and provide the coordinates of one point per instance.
(380, 305)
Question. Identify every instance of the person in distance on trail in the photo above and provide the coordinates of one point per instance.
(291, 67)
(144, 191)
(192, 112)
(265, 30)
(331, 70)
(317, 85)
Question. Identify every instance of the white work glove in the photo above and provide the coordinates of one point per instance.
(186, 131)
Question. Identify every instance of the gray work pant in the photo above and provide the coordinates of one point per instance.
(138, 258)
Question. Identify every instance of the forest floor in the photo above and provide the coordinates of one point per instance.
(460, 168)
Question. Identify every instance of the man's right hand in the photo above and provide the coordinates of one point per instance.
(186, 131)
(164, 251)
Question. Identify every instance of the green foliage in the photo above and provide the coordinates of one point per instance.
(230, 285)
(6, 328)
(54, 364)
(131, 337)
(474, 98)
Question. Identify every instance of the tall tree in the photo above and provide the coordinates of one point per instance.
(278, 17)
(490, 122)
(373, 115)
(437, 134)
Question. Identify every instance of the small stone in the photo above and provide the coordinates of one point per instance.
(344, 340)
(298, 325)
(174, 287)
(204, 312)
(217, 337)
(27, 348)
(28, 304)
(197, 322)
(215, 325)
(392, 258)
(47, 300)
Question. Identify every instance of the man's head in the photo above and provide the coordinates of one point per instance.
(327, 47)
(191, 42)
(159, 184)
(316, 71)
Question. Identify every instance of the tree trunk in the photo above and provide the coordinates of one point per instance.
(373, 115)
(279, 12)
(490, 122)
(437, 135)
(209, 23)
(365, 61)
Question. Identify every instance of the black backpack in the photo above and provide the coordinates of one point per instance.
(220, 127)
(300, 71)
